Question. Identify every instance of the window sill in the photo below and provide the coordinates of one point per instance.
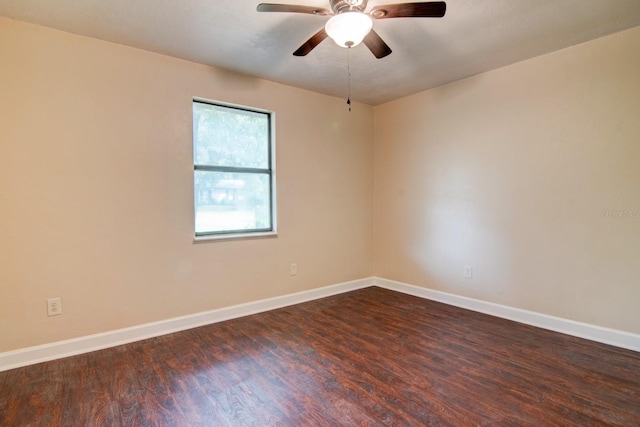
(238, 236)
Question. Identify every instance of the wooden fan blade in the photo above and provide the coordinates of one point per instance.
(430, 9)
(376, 45)
(311, 43)
(271, 7)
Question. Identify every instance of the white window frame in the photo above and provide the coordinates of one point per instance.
(271, 170)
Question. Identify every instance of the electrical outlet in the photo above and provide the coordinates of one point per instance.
(468, 272)
(294, 269)
(54, 307)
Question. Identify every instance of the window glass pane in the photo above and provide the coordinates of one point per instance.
(232, 201)
(225, 136)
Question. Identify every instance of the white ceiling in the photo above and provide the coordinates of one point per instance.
(474, 36)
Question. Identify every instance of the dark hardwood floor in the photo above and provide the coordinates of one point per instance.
(369, 357)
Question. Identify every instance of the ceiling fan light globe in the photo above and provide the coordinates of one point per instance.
(348, 29)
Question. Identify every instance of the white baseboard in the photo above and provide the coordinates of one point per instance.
(75, 346)
(72, 347)
(577, 329)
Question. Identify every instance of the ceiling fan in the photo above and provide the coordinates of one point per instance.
(350, 24)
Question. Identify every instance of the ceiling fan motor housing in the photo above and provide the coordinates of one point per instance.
(340, 6)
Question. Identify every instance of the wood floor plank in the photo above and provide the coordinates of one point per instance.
(371, 357)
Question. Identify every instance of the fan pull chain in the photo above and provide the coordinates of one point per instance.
(349, 77)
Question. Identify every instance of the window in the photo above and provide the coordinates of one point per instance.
(232, 170)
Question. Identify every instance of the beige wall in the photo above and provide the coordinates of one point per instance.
(514, 172)
(96, 189)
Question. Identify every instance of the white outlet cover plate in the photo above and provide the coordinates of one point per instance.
(54, 307)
